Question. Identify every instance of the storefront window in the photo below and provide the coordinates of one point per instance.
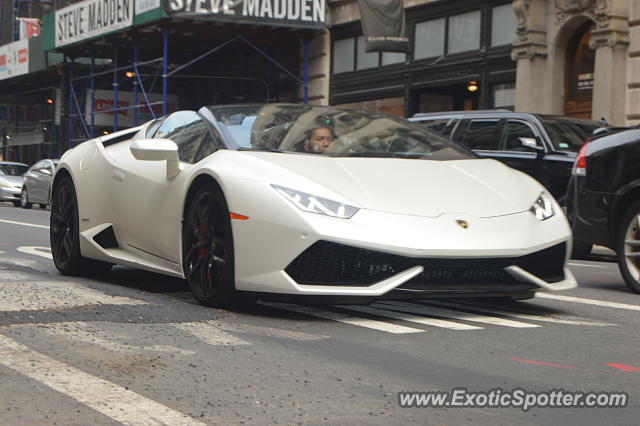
(392, 58)
(343, 55)
(504, 95)
(365, 60)
(429, 39)
(503, 25)
(394, 106)
(464, 32)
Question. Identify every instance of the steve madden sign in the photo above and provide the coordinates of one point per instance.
(288, 13)
(92, 18)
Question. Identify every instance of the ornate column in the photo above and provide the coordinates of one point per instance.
(530, 52)
(633, 65)
(610, 39)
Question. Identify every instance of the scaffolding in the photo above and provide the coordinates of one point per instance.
(77, 102)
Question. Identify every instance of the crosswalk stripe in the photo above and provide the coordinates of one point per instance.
(37, 295)
(449, 313)
(343, 318)
(589, 301)
(13, 222)
(491, 310)
(585, 265)
(209, 333)
(411, 318)
(114, 401)
(271, 332)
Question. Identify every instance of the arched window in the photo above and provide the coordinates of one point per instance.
(580, 74)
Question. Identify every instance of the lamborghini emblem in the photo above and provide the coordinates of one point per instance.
(462, 223)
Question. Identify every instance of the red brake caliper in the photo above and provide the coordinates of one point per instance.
(203, 234)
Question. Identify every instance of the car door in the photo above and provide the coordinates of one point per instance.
(38, 182)
(514, 154)
(147, 205)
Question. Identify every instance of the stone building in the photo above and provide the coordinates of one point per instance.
(573, 57)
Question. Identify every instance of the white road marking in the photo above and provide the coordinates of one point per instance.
(87, 333)
(346, 319)
(449, 313)
(116, 402)
(271, 332)
(589, 301)
(540, 318)
(13, 222)
(585, 265)
(37, 251)
(209, 333)
(411, 318)
(40, 295)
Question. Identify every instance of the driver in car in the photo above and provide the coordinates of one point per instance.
(318, 140)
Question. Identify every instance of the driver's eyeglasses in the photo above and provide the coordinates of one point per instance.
(320, 138)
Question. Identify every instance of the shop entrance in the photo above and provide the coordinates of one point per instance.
(579, 74)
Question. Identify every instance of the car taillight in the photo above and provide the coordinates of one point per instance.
(580, 166)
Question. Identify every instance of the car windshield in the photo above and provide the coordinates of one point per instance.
(568, 134)
(12, 169)
(335, 132)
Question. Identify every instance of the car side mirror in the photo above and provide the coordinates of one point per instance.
(531, 144)
(158, 150)
(46, 172)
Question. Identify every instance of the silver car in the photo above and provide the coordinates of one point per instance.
(11, 181)
(37, 183)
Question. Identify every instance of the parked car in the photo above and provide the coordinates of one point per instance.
(37, 184)
(298, 201)
(604, 199)
(542, 146)
(11, 181)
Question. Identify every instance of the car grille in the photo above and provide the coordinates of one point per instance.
(332, 264)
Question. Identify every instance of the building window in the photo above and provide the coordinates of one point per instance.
(365, 60)
(464, 32)
(504, 95)
(389, 58)
(429, 39)
(343, 55)
(503, 25)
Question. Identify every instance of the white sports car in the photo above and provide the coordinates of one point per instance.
(329, 204)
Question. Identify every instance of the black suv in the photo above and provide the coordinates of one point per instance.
(543, 146)
(604, 199)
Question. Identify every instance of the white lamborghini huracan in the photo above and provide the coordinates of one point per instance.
(252, 201)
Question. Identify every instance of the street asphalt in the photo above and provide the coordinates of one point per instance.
(135, 348)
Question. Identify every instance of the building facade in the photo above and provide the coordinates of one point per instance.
(572, 57)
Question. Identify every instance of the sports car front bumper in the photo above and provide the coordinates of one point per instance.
(378, 254)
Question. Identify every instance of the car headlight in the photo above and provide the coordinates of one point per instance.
(542, 208)
(313, 204)
(5, 184)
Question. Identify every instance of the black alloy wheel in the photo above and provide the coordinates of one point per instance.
(207, 248)
(24, 198)
(64, 233)
(628, 247)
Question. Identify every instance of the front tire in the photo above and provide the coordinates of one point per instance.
(628, 247)
(24, 198)
(64, 234)
(207, 249)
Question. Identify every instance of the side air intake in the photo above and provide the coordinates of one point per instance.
(106, 238)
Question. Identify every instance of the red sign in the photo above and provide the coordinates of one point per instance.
(101, 105)
(23, 56)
